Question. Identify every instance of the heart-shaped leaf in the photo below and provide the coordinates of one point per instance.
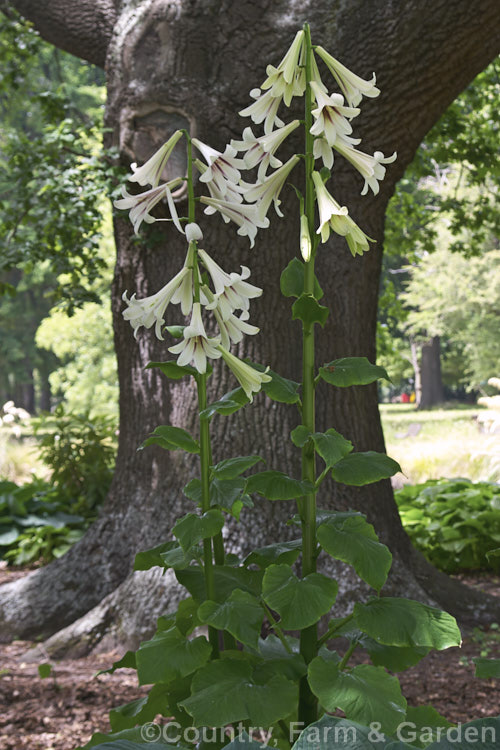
(364, 468)
(171, 439)
(300, 602)
(241, 615)
(275, 485)
(192, 528)
(351, 371)
(308, 309)
(169, 656)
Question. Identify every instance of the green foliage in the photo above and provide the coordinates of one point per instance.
(455, 523)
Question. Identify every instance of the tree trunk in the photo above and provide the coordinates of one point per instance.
(417, 370)
(430, 373)
(191, 64)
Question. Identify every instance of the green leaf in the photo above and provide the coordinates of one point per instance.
(225, 492)
(231, 468)
(129, 739)
(193, 491)
(331, 446)
(300, 435)
(178, 558)
(351, 371)
(172, 370)
(127, 660)
(186, 617)
(404, 622)
(169, 656)
(350, 538)
(427, 724)
(224, 692)
(44, 670)
(228, 404)
(192, 528)
(365, 694)
(292, 280)
(487, 668)
(226, 580)
(275, 485)
(364, 468)
(279, 552)
(393, 658)
(244, 742)
(308, 309)
(172, 438)
(481, 734)
(241, 615)
(300, 602)
(141, 710)
(278, 388)
(152, 558)
(332, 733)
(277, 660)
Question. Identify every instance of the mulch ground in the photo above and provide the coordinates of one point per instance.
(62, 711)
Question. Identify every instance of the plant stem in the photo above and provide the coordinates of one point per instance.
(274, 625)
(348, 655)
(309, 636)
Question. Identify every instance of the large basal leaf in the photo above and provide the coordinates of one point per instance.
(280, 552)
(425, 725)
(141, 710)
(351, 371)
(350, 538)
(487, 668)
(172, 439)
(364, 468)
(393, 658)
(275, 485)
(292, 280)
(152, 558)
(277, 660)
(244, 742)
(230, 468)
(300, 602)
(404, 622)
(241, 615)
(172, 370)
(228, 404)
(307, 309)
(226, 580)
(332, 733)
(131, 739)
(224, 692)
(192, 528)
(481, 734)
(365, 694)
(169, 656)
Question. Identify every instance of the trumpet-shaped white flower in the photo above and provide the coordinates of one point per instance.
(370, 167)
(250, 379)
(288, 79)
(145, 312)
(336, 217)
(268, 191)
(353, 87)
(261, 150)
(331, 116)
(322, 150)
(233, 328)
(248, 218)
(184, 294)
(196, 347)
(223, 168)
(140, 205)
(232, 193)
(232, 292)
(264, 109)
(150, 172)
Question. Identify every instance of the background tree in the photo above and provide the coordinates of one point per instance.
(189, 65)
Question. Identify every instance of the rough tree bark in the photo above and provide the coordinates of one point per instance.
(430, 373)
(188, 63)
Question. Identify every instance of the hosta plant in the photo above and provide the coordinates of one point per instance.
(214, 678)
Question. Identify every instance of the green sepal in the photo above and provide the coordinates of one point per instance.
(351, 371)
(350, 538)
(171, 439)
(241, 615)
(169, 655)
(307, 309)
(365, 694)
(279, 552)
(172, 370)
(230, 468)
(192, 528)
(403, 622)
(292, 280)
(300, 602)
(228, 404)
(275, 485)
(358, 469)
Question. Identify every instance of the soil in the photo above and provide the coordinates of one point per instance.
(63, 710)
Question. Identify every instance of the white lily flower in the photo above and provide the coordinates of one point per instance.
(145, 312)
(184, 294)
(223, 168)
(322, 150)
(336, 217)
(233, 328)
(150, 172)
(265, 108)
(353, 87)
(288, 79)
(370, 167)
(268, 190)
(232, 292)
(331, 116)
(250, 379)
(233, 193)
(140, 205)
(196, 347)
(261, 150)
(248, 218)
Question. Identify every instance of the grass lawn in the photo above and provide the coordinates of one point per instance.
(449, 443)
